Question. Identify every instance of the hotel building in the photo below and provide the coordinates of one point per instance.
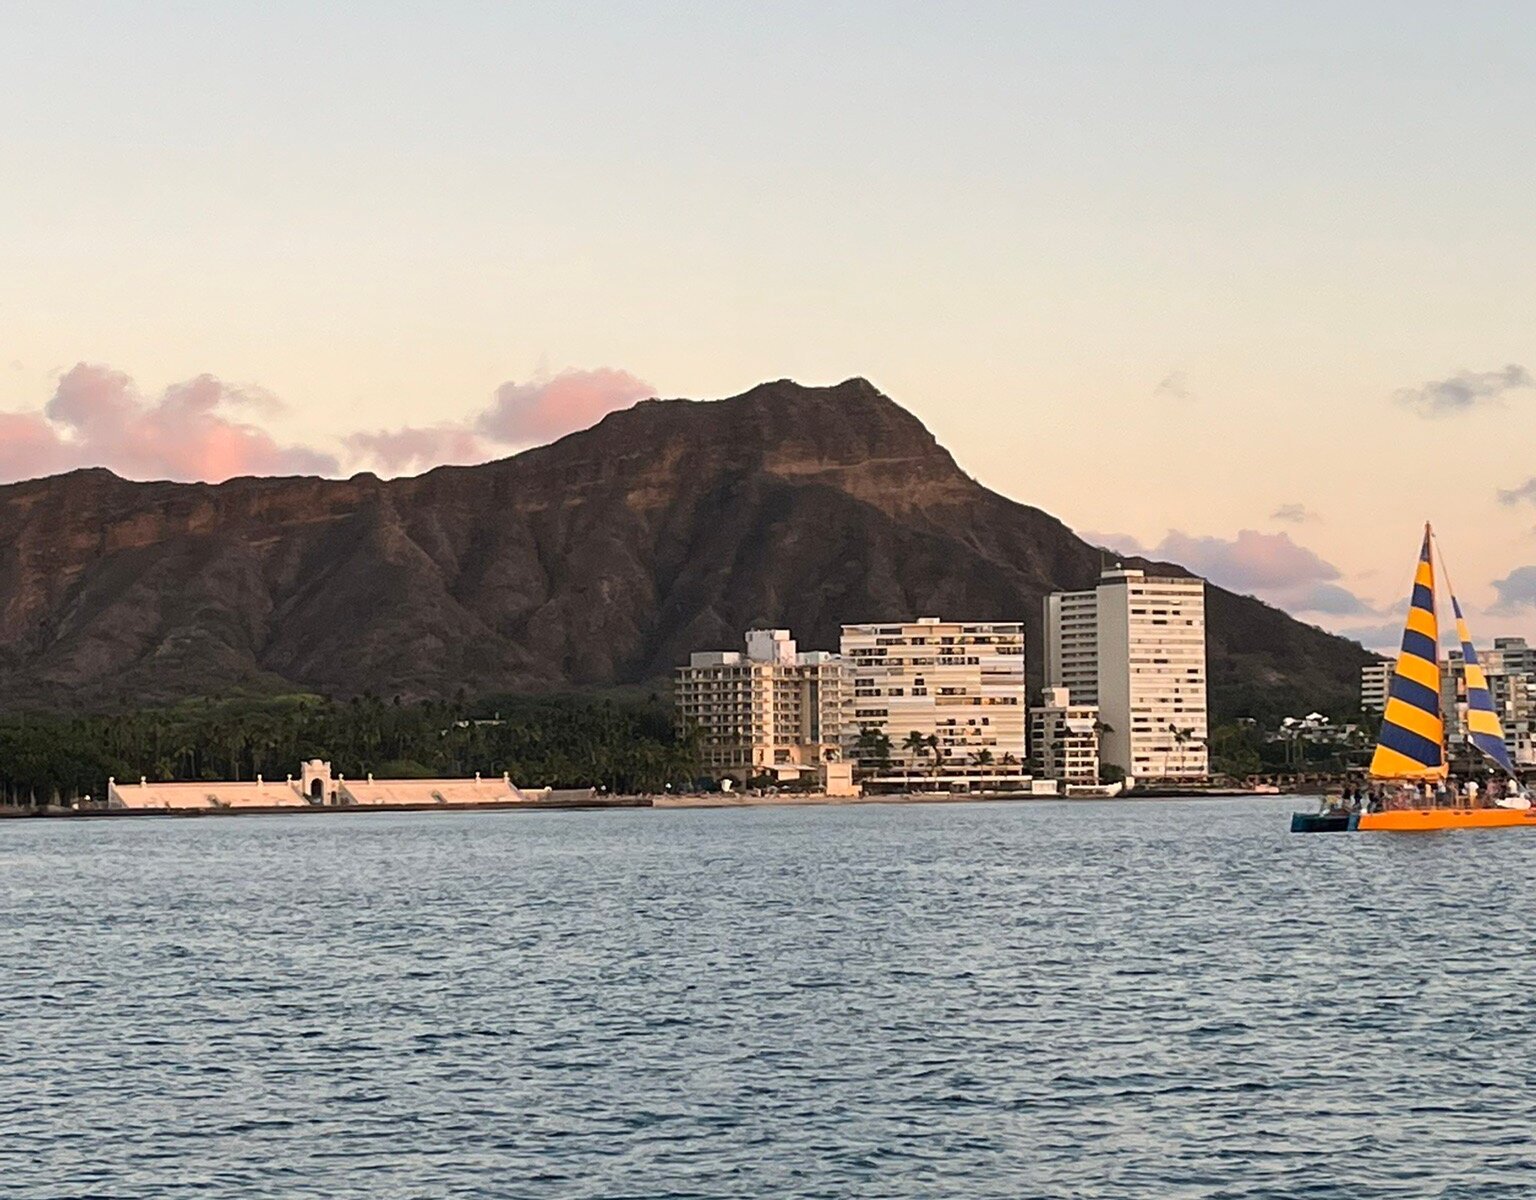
(1134, 647)
(957, 685)
(770, 710)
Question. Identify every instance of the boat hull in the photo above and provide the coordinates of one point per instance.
(1427, 820)
(1322, 822)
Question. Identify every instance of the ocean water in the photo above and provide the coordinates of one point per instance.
(1173, 999)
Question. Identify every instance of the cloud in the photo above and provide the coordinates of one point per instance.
(1173, 386)
(1525, 491)
(30, 447)
(1384, 639)
(1516, 591)
(1296, 514)
(203, 429)
(1268, 565)
(519, 415)
(529, 413)
(418, 447)
(97, 417)
(1463, 391)
(1332, 600)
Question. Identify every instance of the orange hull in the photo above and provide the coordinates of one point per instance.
(1423, 820)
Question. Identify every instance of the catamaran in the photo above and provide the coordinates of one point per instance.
(1410, 771)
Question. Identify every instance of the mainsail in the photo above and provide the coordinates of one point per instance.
(1412, 741)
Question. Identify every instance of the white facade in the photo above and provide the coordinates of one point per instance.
(1135, 647)
(1064, 738)
(771, 710)
(957, 685)
(1375, 677)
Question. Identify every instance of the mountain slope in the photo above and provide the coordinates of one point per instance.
(603, 558)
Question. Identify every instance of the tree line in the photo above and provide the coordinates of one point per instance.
(555, 741)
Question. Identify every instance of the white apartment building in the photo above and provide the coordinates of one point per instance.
(1064, 738)
(1134, 646)
(772, 710)
(955, 687)
(1375, 678)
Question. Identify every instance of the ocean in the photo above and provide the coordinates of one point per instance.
(1143, 999)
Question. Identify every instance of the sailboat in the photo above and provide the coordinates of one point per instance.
(1410, 768)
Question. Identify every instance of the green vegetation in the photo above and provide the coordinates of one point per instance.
(555, 741)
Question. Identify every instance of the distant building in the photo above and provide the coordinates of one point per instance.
(771, 710)
(317, 787)
(946, 697)
(1064, 738)
(1510, 666)
(1375, 678)
(1134, 646)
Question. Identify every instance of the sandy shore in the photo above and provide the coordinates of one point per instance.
(802, 800)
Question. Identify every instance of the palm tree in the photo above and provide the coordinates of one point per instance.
(1182, 738)
(917, 744)
(983, 757)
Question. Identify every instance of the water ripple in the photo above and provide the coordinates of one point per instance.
(1171, 1000)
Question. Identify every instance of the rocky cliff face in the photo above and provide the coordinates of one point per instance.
(603, 558)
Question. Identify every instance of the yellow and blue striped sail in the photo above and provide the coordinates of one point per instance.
(1483, 728)
(1412, 741)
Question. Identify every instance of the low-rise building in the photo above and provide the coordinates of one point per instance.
(769, 710)
(316, 786)
(1064, 739)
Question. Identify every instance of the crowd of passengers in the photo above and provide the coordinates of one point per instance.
(1448, 793)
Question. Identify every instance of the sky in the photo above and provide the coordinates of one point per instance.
(1246, 286)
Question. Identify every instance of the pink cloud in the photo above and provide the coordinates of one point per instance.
(520, 414)
(98, 418)
(1268, 565)
(30, 447)
(199, 429)
(529, 413)
(415, 447)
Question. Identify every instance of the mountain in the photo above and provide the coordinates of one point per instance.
(602, 559)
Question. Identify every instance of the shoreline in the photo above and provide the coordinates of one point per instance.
(706, 800)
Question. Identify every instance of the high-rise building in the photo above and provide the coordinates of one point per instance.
(1134, 646)
(772, 710)
(941, 700)
(1375, 678)
(1064, 738)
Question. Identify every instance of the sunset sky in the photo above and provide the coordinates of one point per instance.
(1248, 285)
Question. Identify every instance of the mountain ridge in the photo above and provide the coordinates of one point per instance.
(600, 559)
